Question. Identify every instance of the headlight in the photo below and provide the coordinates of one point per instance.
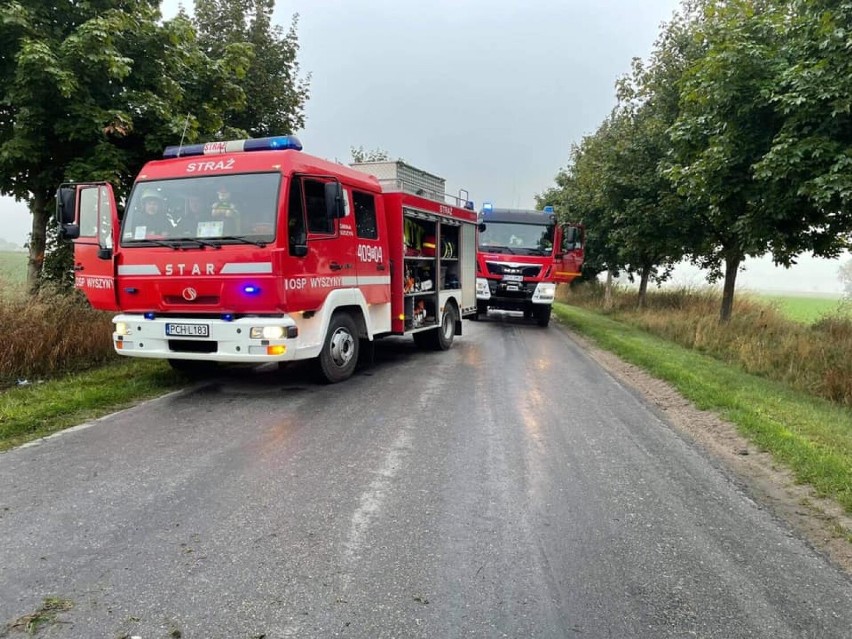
(121, 328)
(267, 332)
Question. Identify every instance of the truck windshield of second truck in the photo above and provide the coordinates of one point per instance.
(517, 239)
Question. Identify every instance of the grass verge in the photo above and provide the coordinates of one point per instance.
(813, 437)
(30, 412)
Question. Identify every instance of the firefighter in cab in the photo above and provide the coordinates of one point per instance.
(154, 221)
(224, 209)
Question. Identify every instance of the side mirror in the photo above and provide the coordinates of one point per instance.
(482, 227)
(66, 204)
(334, 208)
(69, 231)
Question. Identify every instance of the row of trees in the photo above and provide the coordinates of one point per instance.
(733, 140)
(93, 89)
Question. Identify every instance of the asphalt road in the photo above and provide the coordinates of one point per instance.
(507, 488)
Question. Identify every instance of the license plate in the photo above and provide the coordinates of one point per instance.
(512, 287)
(187, 330)
(513, 278)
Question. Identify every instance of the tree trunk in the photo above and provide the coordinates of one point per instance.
(38, 240)
(732, 265)
(643, 285)
(608, 291)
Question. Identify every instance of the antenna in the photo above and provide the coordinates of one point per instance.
(182, 135)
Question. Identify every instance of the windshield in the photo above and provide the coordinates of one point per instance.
(517, 239)
(208, 210)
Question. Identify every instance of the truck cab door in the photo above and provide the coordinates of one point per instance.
(372, 266)
(569, 258)
(322, 244)
(88, 216)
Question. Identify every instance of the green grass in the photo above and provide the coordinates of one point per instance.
(813, 437)
(30, 412)
(807, 309)
(13, 269)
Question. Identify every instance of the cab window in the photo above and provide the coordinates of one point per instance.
(314, 194)
(365, 215)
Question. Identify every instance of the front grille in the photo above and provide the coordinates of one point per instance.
(531, 270)
(201, 299)
(192, 346)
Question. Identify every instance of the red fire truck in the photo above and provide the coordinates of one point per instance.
(251, 251)
(521, 256)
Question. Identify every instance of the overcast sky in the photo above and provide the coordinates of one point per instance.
(488, 94)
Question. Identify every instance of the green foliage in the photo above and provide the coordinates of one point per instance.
(84, 98)
(733, 141)
(359, 155)
(276, 95)
(808, 167)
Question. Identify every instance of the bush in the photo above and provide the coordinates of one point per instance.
(50, 334)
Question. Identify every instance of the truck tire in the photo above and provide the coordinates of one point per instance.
(193, 368)
(339, 355)
(441, 338)
(542, 316)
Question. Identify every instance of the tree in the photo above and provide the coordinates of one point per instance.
(359, 155)
(807, 173)
(277, 95)
(725, 126)
(84, 99)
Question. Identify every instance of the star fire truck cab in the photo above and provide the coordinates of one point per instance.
(251, 251)
(521, 256)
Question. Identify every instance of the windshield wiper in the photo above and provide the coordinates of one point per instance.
(497, 249)
(170, 245)
(243, 239)
(198, 241)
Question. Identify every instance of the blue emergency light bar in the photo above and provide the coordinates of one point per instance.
(277, 143)
(548, 209)
(487, 207)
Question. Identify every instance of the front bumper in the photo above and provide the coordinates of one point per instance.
(226, 341)
(503, 294)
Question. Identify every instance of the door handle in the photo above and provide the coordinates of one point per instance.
(380, 267)
(334, 266)
(78, 267)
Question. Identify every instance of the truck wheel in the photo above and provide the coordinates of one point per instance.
(339, 354)
(192, 368)
(441, 338)
(542, 316)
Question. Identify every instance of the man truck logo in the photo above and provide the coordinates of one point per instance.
(189, 293)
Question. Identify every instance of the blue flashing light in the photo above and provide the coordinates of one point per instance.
(548, 209)
(228, 317)
(251, 289)
(487, 207)
(275, 143)
(149, 315)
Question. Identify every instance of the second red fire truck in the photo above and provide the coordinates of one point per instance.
(522, 255)
(251, 251)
